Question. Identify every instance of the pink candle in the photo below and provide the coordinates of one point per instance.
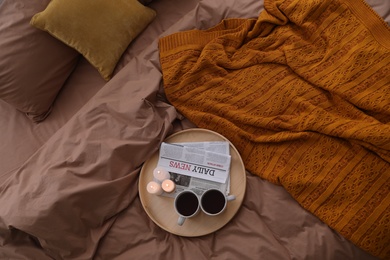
(168, 186)
(154, 188)
(160, 174)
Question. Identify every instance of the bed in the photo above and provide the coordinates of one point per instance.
(76, 131)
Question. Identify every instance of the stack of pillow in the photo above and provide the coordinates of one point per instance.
(42, 40)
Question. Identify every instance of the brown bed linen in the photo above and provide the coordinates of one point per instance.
(20, 138)
(76, 197)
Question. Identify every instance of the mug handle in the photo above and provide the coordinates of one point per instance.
(230, 197)
(180, 220)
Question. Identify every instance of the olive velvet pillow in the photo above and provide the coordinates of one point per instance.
(100, 30)
(33, 65)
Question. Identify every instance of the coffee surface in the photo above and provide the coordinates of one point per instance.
(187, 204)
(213, 202)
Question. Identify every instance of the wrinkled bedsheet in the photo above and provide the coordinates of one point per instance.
(76, 195)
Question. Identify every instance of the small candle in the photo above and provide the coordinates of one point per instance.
(160, 174)
(154, 188)
(168, 186)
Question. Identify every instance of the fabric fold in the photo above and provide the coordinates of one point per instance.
(303, 93)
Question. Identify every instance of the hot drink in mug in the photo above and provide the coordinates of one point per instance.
(212, 202)
(186, 205)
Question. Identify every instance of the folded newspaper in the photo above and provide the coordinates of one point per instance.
(197, 166)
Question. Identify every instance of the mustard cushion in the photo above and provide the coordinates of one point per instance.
(100, 30)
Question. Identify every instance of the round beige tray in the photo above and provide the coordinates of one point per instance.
(160, 209)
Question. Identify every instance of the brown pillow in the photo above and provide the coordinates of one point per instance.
(33, 65)
(100, 30)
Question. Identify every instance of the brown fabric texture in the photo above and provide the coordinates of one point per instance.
(69, 185)
(304, 94)
(33, 65)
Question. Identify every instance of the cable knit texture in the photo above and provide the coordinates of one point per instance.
(303, 92)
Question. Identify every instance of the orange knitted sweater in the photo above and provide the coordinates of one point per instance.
(303, 92)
